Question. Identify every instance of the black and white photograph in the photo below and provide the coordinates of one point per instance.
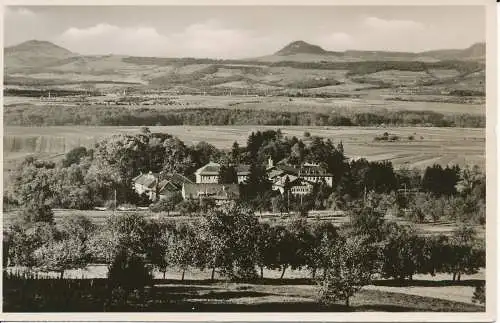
(257, 158)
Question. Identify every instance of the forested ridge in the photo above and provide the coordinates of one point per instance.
(93, 115)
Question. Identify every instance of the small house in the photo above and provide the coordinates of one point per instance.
(159, 185)
(146, 184)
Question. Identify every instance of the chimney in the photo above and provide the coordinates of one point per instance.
(270, 162)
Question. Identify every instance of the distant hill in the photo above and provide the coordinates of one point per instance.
(38, 47)
(301, 47)
(34, 53)
(301, 51)
(476, 51)
(297, 67)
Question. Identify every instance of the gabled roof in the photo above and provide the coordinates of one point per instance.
(209, 169)
(214, 169)
(172, 182)
(211, 190)
(149, 180)
(177, 179)
(167, 186)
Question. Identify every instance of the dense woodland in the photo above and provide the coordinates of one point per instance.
(94, 115)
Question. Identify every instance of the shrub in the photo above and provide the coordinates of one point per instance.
(127, 273)
(167, 204)
(479, 294)
(41, 213)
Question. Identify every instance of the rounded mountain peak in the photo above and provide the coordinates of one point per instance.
(300, 47)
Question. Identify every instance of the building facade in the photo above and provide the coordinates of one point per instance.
(209, 174)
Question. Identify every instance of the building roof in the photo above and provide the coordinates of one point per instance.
(209, 169)
(214, 169)
(211, 190)
(168, 187)
(313, 170)
(148, 180)
(306, 169)
(172, 182)
(274, 172)
(167, 179)
(288, 169)
(177, 179)
(282, 180)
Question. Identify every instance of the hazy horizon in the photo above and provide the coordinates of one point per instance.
(243, 32)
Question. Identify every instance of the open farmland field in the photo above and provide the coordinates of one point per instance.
(373, 103)
(463, 146)
(373, 100)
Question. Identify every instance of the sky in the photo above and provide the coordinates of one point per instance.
(243, 31)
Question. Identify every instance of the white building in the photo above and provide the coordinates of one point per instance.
(210, 173)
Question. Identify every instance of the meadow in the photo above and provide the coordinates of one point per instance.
(363, 101)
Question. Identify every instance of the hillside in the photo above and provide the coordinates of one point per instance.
(301, 47)
(476, 51)
(305, 52)
(298, 68)
(34, 53)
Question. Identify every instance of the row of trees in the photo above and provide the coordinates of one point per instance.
(231, 240)
(98, 115)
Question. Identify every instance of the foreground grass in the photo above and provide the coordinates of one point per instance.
(290, 295)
